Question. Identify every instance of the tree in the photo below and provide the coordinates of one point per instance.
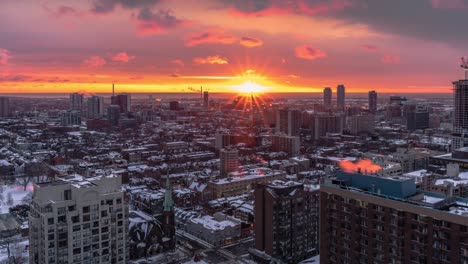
(10, 200)
(14, 250)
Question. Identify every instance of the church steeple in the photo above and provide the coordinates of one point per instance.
(168, 202)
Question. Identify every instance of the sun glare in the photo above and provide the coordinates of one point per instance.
(249, 87)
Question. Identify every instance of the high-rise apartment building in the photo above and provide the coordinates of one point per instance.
(460, 114)
(206, 98)
(70, 118)
(4, 106)
(78, 220)
(286, 220)
(373, 102)
(361, 124)
(229, 161)
(168, 223)
(76, 102)
(327, 97)
(327, 123)
(288, 121)
(95, 107)
(113, 115)
(124, 101)
(288, 144)
(417, 116)
(340, 97)
(377, 219)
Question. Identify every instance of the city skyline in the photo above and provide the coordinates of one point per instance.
(229, 46)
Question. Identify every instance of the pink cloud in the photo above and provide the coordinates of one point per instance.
(122, 57)
(250, 42)
(309, 53)
(213, 36)
(178, 62)
(390, 59)
(149, 22)
(5, 55)
(94, 62)
(449, 4)
(368, 47)
(210, 60)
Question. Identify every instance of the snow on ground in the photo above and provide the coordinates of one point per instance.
(17, 193)
(21, 247)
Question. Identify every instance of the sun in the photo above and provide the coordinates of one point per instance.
(250, 87)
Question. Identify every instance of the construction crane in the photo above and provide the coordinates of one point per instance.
(464, 65)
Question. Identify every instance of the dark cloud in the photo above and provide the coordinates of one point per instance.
(211, 36)
(149, 22)
(106, 6)
(61, 11)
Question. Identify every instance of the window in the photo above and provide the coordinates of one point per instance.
(50, 221)
(75, 219)
(119, 200)
(67, 194)
(85, 209)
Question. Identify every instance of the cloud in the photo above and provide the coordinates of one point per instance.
(14, 78)
(106, 6)
(174, 75)
(259, 8)
(390, 59)
(5, 56)
(250, 42)
(309, 53)
(149, 22)
(122, 57)
(448, 4)
(61, 11)
(210, 60)
(213, 36)
(178, 62)
(368, 47)
(94, 62)
(313, 7)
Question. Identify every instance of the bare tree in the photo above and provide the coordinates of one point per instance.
(14, 250)
(10, 200)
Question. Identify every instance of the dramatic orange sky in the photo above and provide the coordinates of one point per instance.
(392, 46)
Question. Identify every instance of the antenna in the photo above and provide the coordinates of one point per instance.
(113, 90)
(464, 65)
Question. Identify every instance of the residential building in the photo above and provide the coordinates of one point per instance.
(95, 107)
(123, 101)
(327, 97)
(373, 102)
(460, 114)
(288, 144)
(287, 220)
(376, 219)
(340, 97)
(228, 161)
(288, 121)
(4, 107)
(76, 102)
(78, 220)
(361, 124)
(70, 118)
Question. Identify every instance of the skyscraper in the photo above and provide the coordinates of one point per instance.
(206, 102)
(288, 121)
(76, 102)
(327, 97)
(340, 97)
(373, 102)
(229, 161)
(4, 106)
(375, 219)
(460, 114)
(324, 123)
(95, 107)
(286, 220)
(124, 101)
(113, 115)
(78, 220)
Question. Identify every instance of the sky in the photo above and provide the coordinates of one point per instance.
(397, 46)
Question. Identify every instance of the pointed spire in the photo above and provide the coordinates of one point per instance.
(168, 202)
